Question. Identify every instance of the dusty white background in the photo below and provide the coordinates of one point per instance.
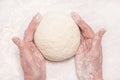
(15, 16)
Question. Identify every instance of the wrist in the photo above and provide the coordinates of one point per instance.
(31, 78)
(28, 78)
(35, 77)
(98, 75)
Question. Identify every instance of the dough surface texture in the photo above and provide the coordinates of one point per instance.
(57, 36)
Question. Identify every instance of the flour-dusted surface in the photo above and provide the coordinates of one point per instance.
(15, 15)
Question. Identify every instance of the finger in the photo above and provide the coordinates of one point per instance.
(86, 30)
(18, 42)
(101, 32)
(28, 36)
(98, 37)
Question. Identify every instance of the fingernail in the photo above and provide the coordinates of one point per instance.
(74, 15)
(104, 30)
(15, 40)
(38, 17)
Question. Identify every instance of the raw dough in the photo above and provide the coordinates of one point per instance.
(57, 36)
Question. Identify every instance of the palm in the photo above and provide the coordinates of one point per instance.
(31, 56)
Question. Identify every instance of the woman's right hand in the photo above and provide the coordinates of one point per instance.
(88, 58)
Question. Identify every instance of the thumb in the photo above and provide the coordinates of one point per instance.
(18, 42)
(98, 37)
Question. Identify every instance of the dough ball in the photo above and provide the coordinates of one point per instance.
(57, 36)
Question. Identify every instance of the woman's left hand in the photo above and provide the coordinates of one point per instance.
(32, 61)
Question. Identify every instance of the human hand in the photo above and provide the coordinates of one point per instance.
(88, 59)
(32, 61)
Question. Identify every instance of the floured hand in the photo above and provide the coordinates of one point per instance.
(32, 61)
(88, 59)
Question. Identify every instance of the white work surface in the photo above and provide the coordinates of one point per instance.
(15, 16)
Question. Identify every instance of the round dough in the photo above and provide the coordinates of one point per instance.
(57, 37)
